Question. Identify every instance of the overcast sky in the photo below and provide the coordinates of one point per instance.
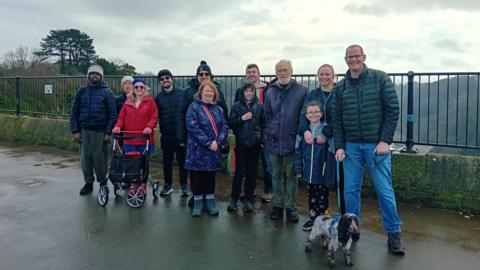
(426, 35)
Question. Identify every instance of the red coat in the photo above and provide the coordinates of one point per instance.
(137, 119)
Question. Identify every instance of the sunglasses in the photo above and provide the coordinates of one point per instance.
(202, 74)
(139, 87)
(166, 78)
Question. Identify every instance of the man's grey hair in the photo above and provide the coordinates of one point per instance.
(284, 61)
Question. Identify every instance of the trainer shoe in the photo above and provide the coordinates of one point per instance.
(267, 197)
(276, 214)
(86, 189)
(292, 215)
(308, 226)
(167, 189)
(184, 191)
(247, 206)
(395, 244)
(232, 205)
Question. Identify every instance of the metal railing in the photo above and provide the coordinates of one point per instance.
(439, 109)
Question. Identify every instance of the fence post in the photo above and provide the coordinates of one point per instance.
(410, 117)
(17, 96)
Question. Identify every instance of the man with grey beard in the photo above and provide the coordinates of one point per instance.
(283, 103)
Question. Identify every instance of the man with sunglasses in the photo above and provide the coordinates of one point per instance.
(365, 116)
(93, 115)
(167, 103)
(203, 73)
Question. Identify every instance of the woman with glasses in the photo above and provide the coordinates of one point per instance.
(138, 114)
(324, 95)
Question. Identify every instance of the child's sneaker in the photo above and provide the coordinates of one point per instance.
(308, 226)
(167, 189)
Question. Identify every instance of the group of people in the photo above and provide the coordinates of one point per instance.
(296, 133)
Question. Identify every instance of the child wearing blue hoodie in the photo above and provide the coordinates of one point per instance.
(310, 163)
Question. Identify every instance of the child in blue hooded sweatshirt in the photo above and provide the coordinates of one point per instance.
(310, 162)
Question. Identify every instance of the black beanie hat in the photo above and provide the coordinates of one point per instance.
(204, 67)
(164, 72)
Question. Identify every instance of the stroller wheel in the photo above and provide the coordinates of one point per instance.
(102, 195)
(136, 196)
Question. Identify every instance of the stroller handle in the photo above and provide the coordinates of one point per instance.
(139, 135)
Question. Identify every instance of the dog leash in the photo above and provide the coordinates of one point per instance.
(340, 182)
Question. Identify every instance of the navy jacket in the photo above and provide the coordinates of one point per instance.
(93, 108)
(310, 160)
(201, 135)
(282, 107)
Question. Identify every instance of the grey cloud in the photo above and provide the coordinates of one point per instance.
(384, 7)
(449, 44)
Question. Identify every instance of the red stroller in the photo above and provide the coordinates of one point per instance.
(130, 169)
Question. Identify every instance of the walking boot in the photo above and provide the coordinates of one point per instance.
(86, 189)
(292, 215)
(276, 214)
(395, 244)
(212, 207)
(197, 207)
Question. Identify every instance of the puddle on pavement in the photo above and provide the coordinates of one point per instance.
(420, 223)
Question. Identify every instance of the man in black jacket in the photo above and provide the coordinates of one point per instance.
(92, 118)
(167, 103)
(365, 117)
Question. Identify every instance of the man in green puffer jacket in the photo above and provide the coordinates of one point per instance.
(365, 116)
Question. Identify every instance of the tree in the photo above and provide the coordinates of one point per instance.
(23, 62)
(71, 49)
(116, 67)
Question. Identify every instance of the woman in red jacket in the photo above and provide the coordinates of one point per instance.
(138, 114)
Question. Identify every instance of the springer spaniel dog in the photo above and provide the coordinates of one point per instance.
(335, 232)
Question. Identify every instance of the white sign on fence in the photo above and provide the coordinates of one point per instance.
(48, 89)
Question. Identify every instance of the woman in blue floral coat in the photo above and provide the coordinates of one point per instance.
(207, 135)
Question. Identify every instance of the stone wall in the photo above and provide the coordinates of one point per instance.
(437, 180)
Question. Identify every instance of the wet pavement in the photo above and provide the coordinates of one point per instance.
(45, 224)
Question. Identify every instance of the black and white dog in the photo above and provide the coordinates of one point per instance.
(335, 232)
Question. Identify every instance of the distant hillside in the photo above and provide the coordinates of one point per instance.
(446, 111)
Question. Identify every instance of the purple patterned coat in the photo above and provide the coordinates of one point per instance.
(201, 134)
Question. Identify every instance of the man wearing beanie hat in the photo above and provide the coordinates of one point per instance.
(167, 101)
(93, 115)
(203, 73)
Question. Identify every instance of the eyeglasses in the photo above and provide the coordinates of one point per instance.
(202, 74)
(313, 112)
(139, 87)
(166, 78)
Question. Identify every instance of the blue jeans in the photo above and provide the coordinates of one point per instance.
(357, 156)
